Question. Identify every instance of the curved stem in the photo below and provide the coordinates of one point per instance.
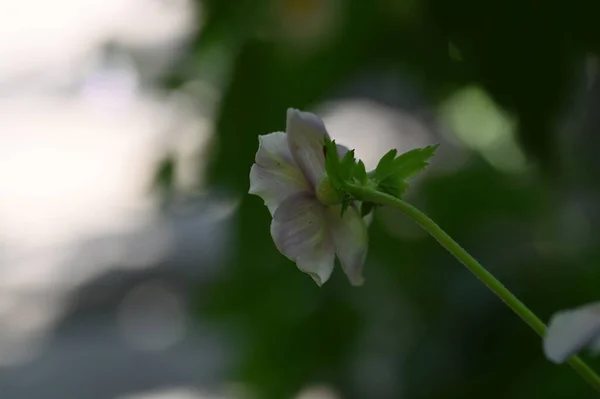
(476, 268)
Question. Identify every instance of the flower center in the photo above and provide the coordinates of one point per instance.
(327, 194)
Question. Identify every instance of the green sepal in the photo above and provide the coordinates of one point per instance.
(345, 170)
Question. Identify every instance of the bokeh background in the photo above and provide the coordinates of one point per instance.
(133, 265)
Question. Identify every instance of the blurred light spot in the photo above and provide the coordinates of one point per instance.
(308, 23)
(152, 317)
(223, 208)
(481, 125)
(52, 38)
(82, 130)
(142, 245)
(192, 125)
(165, 21)
(66, 167)
(475, 118)
(202, 96)
(234, 390)
(373, 129)
(318, 392)
(175, 393)
(24, 323)
(76, 170)
(111, 82)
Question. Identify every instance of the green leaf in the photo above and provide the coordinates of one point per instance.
(332, 164)
(384, 167)
(412, 162)
(392, 171)
(360, 173)
(347, 166)
(342, 171)
(405, 165)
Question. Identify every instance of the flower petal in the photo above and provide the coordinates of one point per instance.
(273, 149)
(275, 175)
(570, 331)
(299, 232)
(306, 137)
(350, 239)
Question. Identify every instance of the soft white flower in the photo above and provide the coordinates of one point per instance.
(569, 331)
(289, 175)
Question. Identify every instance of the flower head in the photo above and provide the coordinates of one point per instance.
(307, 226)
(569, 331)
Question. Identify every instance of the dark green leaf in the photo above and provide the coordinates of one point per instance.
(385, 165)
(347, 166)
(332, 163)
(360, 173)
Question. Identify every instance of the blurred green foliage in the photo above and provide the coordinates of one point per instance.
(421, 327)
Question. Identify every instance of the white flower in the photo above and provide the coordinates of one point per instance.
(569, 331)
(289, 175)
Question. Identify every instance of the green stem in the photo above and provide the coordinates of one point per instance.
(476, 268)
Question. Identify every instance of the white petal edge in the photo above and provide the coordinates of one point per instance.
(273, 148)
(350, 239)
(275, 176)
(569, 331)
(299, 232)
(306, 137)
